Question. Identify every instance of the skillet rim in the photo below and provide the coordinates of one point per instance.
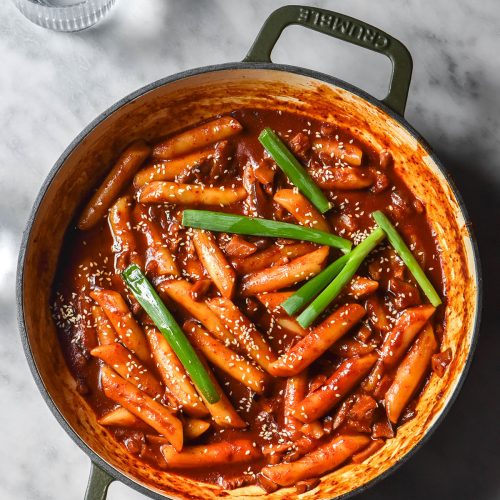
(94, 457)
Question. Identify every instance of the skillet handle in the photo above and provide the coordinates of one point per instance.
(99, 481)
(347, 29)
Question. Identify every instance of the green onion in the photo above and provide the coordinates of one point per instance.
(147, 297)
(313, 287)
(356, 257)
(240, 224)
(404, 252)
(293, 169)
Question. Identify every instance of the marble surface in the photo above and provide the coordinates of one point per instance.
(52, 85)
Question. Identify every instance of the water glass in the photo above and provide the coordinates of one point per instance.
(64, 15)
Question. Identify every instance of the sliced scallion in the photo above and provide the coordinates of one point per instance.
(313, 287)
(147, 297)
(407, 257)
(293, 169)
(355, 259)
(254, 226)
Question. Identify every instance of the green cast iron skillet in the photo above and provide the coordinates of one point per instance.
(327, 22)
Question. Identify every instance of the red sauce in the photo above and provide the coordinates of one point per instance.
(87, 261)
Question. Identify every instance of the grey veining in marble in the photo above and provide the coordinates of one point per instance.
(52, 85)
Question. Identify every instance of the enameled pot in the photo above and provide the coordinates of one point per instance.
(182, 100)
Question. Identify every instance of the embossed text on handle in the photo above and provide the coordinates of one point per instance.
(346, 27)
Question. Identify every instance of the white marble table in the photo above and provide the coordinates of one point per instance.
(52, 85)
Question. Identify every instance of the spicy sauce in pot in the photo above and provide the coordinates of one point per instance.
(144, 226)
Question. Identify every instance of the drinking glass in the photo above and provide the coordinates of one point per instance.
(64, 15)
